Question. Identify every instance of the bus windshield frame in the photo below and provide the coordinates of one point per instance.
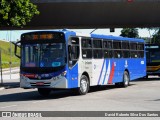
(152, 54)
(42, 40)
(43, 55)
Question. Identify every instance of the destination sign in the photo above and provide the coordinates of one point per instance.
(152, 47)
(42, 36)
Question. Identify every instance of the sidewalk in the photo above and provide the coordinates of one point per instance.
(7, 69)
(10, 80)
(13, 70)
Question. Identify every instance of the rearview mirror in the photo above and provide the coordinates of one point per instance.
(17, 44)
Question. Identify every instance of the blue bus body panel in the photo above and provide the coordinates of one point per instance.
(72, 73)
(72, 77)
(118, 66)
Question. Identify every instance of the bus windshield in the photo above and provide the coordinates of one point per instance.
(153, 55)
(43, 55)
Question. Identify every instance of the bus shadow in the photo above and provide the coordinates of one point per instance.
(102, 88)
(56, 94)
(106, 87)
(157, 100)
(34, 95)
(147, 79)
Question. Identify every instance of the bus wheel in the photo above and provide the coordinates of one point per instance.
(146, 76)
(125, 82)
(44, 91)
(84, 85)
(126, 79)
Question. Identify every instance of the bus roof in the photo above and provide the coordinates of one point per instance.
(101, 36)
(109, 37)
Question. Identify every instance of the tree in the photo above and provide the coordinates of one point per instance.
(152, 31)
(16, 13)
(155, 29)
(129, 32)
(156, 37)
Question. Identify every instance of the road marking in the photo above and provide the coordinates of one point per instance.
(39, 101)
(9, 106)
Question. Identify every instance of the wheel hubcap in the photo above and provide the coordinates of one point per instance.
(83, 85)
(126, 80)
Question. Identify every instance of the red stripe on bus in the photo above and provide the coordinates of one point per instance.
(111, 74)
(29, 75)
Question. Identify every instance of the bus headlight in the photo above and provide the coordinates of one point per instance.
(54, 78)
(23, 77)
(60, 76)
(64, 73)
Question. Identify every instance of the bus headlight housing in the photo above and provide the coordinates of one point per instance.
(64, 73)
(23, 77)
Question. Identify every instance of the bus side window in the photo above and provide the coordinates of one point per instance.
(87, 53)
(69, 52)
(116, 45)
(133, 46)
(108, 54)
(117, 52)
(86, 48)
(125, 47)
(140, 50)
(97, 48)
(133, 50)
(126, 54)
(86, 43)
(107, 49)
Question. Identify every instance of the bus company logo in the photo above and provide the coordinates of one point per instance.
(6, 114)
(88, 63)
(142, 62)
(126, 64)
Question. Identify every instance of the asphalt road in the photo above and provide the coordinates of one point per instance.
(141, 95)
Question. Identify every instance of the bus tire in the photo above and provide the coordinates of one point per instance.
(126, 79)
(84, 85)
(44, 91)
(125, 82)
(146, 76)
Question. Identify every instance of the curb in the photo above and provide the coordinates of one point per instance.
(7, 69)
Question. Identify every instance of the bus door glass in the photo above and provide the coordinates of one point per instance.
(73, 51)
(73, 57)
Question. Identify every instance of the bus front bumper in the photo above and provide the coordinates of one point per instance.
(56, 82)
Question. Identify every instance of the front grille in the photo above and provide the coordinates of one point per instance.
(44, 84)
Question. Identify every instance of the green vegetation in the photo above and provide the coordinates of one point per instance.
(7, 56)
(16, 13)
(129, 32)
(156, 37)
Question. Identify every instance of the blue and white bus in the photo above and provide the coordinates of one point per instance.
(67, 59)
